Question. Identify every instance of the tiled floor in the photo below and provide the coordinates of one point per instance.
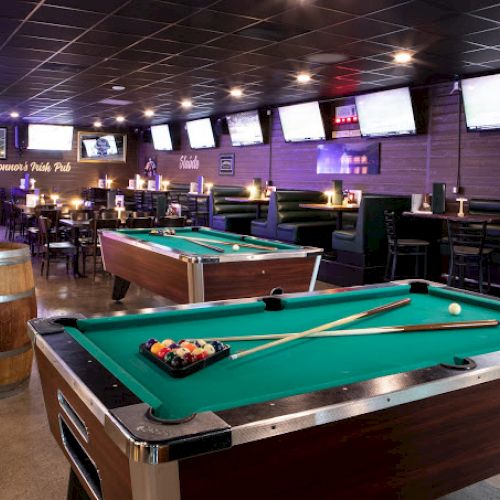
(31, 465)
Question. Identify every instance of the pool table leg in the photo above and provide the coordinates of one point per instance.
(120, 288)
(155, 482)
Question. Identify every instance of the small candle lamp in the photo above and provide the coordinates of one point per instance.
(208, 187)
(329, 195)
(461, 202)
(54, 198)
(108, 183)
(253, 191)
(165, 185)
(32, 183)
(77, 203)
(119, 209)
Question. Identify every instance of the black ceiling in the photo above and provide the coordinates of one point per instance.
(59, 58)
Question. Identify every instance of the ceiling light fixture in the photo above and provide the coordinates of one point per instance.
(236, 92)
(187, 103)
(303, 77)
(120, 119)
(14, 114)
(97, 124)
(402, 57)
(149, 113)
(118, 87)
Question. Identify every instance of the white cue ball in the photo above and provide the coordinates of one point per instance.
(454, 309)
(236, 247)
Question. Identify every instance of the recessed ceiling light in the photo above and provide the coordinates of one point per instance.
(97, 124)
(120, 119)
(187, 103)
(14, 114)
(149, 113)
(118, 87)
(303, 77)
(402, 57)
(236, 92)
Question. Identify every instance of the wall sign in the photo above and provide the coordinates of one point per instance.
(3, 143)
(189, 162)
(226, 164)
(54, 167)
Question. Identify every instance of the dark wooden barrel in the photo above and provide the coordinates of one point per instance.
(17, 306)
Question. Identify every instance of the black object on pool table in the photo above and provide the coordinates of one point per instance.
(189, 369)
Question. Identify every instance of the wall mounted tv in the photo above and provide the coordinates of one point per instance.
(102, 147)
(386, 113)
(482, 102)
(245, 128)
(50, 137)
(162, 140)
(302, 122)
(200, 134)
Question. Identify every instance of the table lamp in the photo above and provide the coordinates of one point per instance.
(329, 196)
(209, 186)
(461, 202)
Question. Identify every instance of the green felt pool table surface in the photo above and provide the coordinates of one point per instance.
(298, 367)
(209, 236)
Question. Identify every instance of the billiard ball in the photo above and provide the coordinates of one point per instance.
(209, 349)
(199, 353)
(236, 247)
(167, 342)
(199, 343)
(218, 346)
(176, 361)
(156, 347)
(188, 345)
(169, 357)
(163, 352)
(454, 309)
(149, 343)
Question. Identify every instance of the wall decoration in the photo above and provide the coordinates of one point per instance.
(98, 147)
(189, 162)
(45, 167)
(344, 158)
(226, 164)
(150, 167)
(3, 143)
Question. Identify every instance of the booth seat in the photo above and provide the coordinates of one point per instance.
(286, 221)
(361, 252)
(479, 207)
(227, 216)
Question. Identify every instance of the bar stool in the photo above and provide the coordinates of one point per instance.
(402, 247)
(467, 251)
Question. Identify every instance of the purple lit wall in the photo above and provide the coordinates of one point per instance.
(408, 164)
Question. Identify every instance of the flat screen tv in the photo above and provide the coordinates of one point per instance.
(386, 113)
(302, 122)
(50, 137)
(162, 140)
(200, 134)
(482, 102)
(245, 128)
(102, 147)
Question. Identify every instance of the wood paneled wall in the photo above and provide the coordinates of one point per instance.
(408, 164)
(67, 183)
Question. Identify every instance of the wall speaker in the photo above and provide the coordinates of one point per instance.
(21, 136)
(438, 198)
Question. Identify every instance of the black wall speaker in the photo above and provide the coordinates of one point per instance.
(438, 198)
(337, 192)
(21, 136)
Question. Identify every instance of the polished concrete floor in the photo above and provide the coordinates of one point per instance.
(31, 465)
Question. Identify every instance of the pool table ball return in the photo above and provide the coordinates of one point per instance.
(403, 415)
(224, 266)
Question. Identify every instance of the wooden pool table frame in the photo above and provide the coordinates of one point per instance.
(418, 434)
(184, 277)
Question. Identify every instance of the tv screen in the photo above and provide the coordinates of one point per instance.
(162, 141)
(302, 122)
(482, 102)
(101, 146)
(50, 137)
(245, 128)
(386, 113)
(200, 134)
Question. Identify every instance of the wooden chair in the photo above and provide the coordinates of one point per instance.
(92, 246)
(402, 247)
(107, 213)
(13, 221)
(33, 231)
(467, 251)
(52, 249)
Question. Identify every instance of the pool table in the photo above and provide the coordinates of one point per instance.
(183, 271)
(413, 415)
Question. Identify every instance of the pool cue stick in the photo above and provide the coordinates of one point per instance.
(196, 242)
(458, 325)
(326, 326)
(249, 245)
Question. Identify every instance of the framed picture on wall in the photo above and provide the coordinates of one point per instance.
(226, 164)
(99, 147)
(348, 158)
(3, 143)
